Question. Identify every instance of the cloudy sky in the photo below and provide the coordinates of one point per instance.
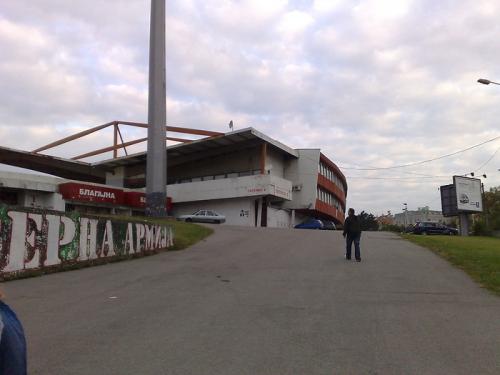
(374, 84)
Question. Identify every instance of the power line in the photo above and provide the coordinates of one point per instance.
(487, 161)
(422, 161)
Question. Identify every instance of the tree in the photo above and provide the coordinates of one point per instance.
(489, 220)
(367, 221)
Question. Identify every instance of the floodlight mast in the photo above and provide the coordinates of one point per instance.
(156, 168)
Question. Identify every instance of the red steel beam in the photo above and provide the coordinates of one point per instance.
(113, 148)
(73, 137)
(175, 129)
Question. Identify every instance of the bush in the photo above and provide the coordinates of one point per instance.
(393, 228)
(479, 228)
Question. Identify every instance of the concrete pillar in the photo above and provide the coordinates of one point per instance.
(464, 224)
(156, 170)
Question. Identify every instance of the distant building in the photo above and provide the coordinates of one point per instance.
(387, 219)
(421, 214)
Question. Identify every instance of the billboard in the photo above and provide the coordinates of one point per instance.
(468, 194)
(448, 200)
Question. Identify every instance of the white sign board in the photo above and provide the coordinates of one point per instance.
(468, 194)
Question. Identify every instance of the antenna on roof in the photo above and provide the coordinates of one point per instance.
(231, 126)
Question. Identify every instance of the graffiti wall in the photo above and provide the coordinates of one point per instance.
(35, 239)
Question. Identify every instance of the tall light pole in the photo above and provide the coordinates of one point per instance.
(406, 214)
(156, 168)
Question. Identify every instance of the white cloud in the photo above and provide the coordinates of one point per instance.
(372, 83)
(294, 23)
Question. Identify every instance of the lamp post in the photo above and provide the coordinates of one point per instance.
(406, 214)
(487, 81)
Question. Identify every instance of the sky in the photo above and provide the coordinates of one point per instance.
(373, 84)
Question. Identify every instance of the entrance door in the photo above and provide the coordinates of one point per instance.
(263, 218)
(256, 211)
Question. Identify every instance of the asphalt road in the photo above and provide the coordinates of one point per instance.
(263, 301)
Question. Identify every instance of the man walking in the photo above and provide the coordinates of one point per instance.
(352, 230)
(12, 342)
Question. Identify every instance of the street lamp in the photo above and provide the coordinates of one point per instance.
(406, 214)
(486, 81)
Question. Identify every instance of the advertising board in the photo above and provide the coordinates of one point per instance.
(448, 200)
(468, 194)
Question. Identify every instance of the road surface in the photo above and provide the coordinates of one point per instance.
(263, 301)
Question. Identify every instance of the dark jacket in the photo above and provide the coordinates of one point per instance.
(12, 343)
(352, 226)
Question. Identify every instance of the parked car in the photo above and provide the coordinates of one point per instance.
(203, 216)
(328, 225)
(428, 227)
(310, 224)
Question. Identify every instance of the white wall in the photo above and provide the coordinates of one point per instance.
(227, 188)
(275, 163)
(278, 218)
(29, 181)
(303, 172)
(39, 199)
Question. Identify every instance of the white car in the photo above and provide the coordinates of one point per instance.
(203, 216)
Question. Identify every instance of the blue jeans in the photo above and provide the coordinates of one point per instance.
(357, 250)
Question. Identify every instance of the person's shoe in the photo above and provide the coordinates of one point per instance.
(345, 256)
(358, 260)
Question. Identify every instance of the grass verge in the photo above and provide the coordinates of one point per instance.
(477, 256)
(185, 234)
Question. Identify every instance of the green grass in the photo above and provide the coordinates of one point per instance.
(477, 256)
(185, 234)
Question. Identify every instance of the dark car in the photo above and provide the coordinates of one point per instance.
(428, 227)
(328, 225)
(310, 224)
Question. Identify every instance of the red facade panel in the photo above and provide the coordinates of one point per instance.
(326, 209)
(334, 167)
(100, 194)
(332, 188)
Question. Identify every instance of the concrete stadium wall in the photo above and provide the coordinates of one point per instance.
(37, 240)
(238, 211)
(278, 218)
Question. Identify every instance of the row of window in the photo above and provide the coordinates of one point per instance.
(216, 177)
(329, 199)
(325, 171)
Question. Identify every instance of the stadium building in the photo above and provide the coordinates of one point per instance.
(244, 175)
